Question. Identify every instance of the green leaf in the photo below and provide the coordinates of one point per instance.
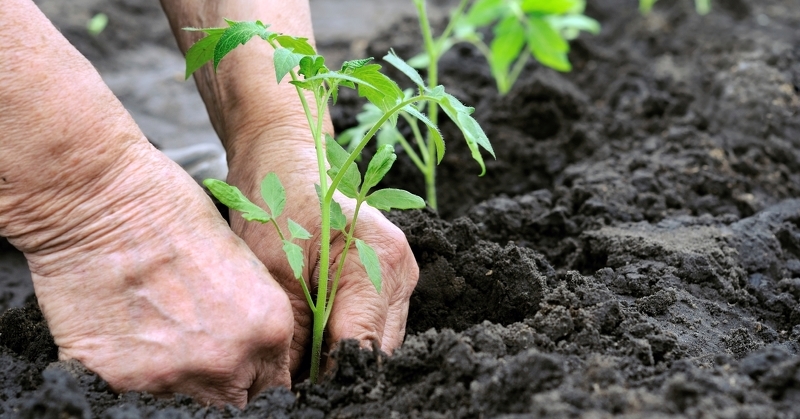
(310, 66)
(547, 45)
(371, 263)
(570, 25)
(238, 34)
(506, 46)
(401, 65)
(332, 75)
(297, 231)
(646, 5)
(386, 199)
(354, 64)
(436, 136)
(376, 87)
(285, 60)
(379, 165)
(273, 193)
(294, 254)
(234, 199)
(298, 45)
(337, 157)
(484, 12)
(550, 7)
(473, 133)
(338, 220)
(202, 51)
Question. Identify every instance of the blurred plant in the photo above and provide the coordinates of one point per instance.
(97, 24)
(702, 6)
(522, 29)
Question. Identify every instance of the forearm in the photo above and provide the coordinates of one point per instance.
(242, 98)
(59, 125)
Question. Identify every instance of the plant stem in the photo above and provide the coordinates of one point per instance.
(321, 97)
(371, 133)
(433, 108)
(348, 242)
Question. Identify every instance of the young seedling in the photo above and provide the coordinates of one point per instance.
(296, 58)
(522, 29)
(702, 6)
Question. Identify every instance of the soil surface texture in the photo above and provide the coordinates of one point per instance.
(633, 251)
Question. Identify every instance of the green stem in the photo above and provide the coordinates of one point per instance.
(320, 322)
(348, 242)
(419, 140)
(411, 153)
(433, 108)
(371, 133)
(519, 65)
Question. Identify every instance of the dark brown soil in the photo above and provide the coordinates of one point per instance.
(634, 251)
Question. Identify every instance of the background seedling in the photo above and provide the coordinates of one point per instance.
(522, 29)
(296, 58)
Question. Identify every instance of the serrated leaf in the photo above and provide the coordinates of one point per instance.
(472, 131)
(435, 134)
(387, 199)
(296, 44)
(354, 64)
(550, 7)
(297, 231)
(335, 75)
(238, 34)
(273, 193)
(401, 65)
(376, 87)
(380, 164)
(311, 65)
(233, 198)
(338, 220)
(294, 254)
(202, 52)
(285, 60)
(337, 157)
(546, 45)
(369, 259)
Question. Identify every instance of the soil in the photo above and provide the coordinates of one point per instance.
(633, 251)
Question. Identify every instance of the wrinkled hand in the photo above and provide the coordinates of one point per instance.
(359, 312)
(160, 297)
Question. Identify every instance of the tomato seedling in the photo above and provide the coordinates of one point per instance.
(296, 58)
(522, 29)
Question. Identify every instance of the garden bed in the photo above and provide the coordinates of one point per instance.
(633, 251)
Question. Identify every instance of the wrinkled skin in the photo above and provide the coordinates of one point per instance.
(137, 275)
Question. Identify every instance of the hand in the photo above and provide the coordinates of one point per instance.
(359, 312)
(137, 275)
